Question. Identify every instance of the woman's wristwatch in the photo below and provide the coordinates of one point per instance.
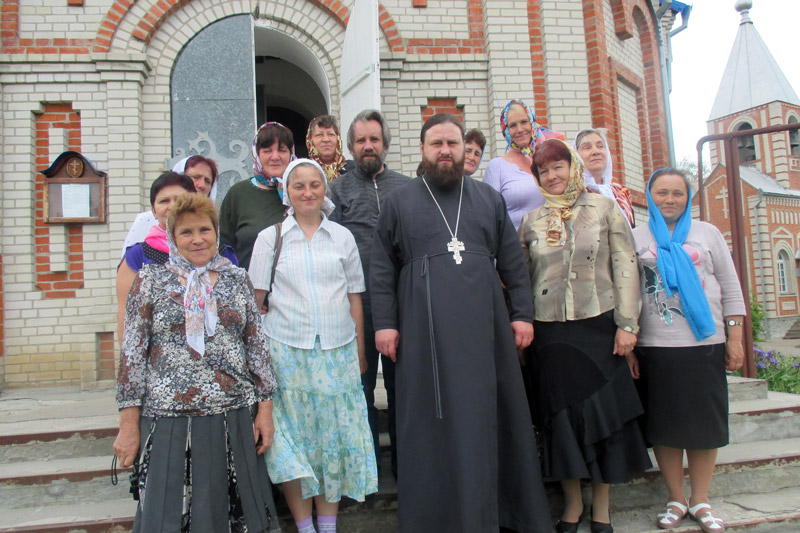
(731, 323)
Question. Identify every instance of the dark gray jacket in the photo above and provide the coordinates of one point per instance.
(357, 199)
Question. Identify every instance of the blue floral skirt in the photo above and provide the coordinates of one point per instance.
(322, 435)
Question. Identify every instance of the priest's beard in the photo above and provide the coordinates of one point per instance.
(369, 165)
(444, 175)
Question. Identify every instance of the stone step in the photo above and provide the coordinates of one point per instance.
(60, 482)
(776, 417)
(746, 389)
(759, 467)
(62, 444)
(779, 510)
(86, 516)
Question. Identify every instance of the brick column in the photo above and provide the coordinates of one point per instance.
(508, 52)
(565, 60)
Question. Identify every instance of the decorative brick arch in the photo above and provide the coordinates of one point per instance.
(159, 12)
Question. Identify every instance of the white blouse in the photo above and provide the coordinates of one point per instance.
(312, 281)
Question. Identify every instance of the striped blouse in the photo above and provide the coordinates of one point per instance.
(312, 281)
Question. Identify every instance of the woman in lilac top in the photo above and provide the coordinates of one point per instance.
(511, 175)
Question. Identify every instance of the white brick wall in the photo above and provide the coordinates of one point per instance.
(123, 99)
(567, 79)
(631, 137)
(43, 19)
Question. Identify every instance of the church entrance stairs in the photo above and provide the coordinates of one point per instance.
(55, 469)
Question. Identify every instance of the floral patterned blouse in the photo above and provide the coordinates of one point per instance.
(160, 373)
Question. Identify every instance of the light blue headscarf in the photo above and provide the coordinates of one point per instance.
(677, 269)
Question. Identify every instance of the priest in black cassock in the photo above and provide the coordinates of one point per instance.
(467, 459)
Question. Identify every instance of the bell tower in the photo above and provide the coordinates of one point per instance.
(754, 93)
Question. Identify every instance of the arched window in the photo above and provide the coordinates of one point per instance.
(747, 145)
(783, 267)
(794, 139)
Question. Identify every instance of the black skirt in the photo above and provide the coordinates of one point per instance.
(201, 474)
(685, 394)
(586, 404)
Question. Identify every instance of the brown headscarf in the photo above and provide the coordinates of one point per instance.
(331, 169)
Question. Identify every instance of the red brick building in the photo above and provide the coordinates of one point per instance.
(754, 93)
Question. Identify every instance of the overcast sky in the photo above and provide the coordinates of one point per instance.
(701, 52)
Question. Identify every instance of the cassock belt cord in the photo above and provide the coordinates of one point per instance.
(434, 359)
(434, 362)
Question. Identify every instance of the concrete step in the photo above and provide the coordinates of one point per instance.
(87, 516)
(67, 443)
(746, 389)
(777, 511)
(754, 468)
(776, 417)
(60, 482)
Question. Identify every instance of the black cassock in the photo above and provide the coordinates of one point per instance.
(467, 459)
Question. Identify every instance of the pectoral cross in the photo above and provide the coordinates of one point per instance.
(456, 247)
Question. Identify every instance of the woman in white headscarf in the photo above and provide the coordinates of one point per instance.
(323, 445)
(592, 145)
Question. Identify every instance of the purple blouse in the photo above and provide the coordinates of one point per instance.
(141, 254)
(519, 189)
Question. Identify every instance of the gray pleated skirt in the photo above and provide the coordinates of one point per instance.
(201, 474)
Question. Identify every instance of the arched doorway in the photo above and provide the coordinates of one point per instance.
(232, 76)
(291, 86)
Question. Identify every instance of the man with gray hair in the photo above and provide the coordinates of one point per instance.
(358, 195)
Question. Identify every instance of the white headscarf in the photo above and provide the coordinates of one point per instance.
(327, 204)
(603, 188)
(180, 167)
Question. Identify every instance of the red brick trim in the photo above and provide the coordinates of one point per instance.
(78, 3)
(623, 25)
(537, 61)
(108, 26)
(474, 45)
(419, 3)
(105, 355)
(158, 14)
(442, 105)
(61, 284)
(620, 73)
(12, 44)
(653, 88)
(600, 100)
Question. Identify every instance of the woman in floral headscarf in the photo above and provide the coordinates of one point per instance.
(323, 445)
(585, 286)
(250, 206)
(510, 174)
(324, 143)
(195, 386)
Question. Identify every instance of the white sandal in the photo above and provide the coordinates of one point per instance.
(668, 519)
(708, 522)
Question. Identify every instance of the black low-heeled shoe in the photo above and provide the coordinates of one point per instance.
(567, 527)
(600, 527)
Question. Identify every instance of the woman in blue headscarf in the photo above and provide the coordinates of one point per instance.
(690, 295)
